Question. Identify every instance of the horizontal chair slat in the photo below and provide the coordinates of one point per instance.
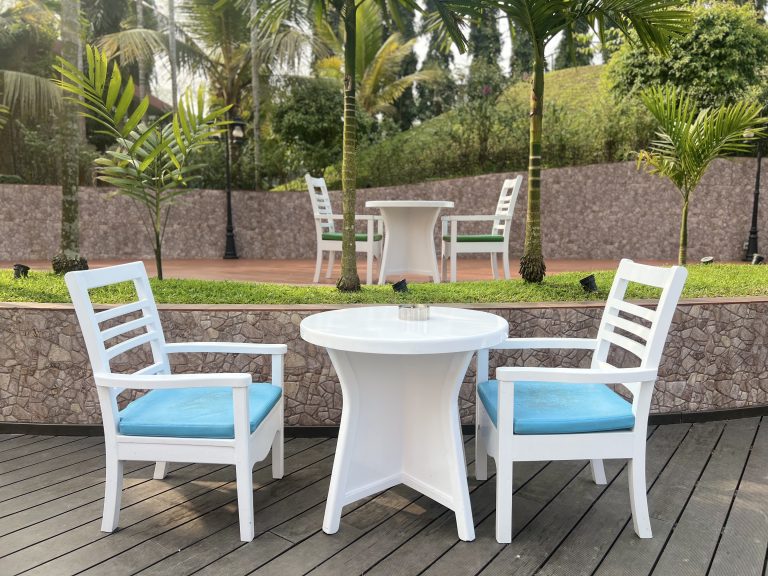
(121, 310)
(629, 345)
(633, 309)
(628, 325)
(129, 344)
(125, 327)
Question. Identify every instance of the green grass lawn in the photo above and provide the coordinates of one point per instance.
(703, 281)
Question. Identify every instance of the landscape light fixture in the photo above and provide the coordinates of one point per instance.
(20, 271)
(589, 283)
(233, 134)
(750, 246)
(707, 260)
(757, 259)
(401, 286)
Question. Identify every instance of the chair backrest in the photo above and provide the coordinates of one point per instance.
(505, 207)
(321, 204)
(636, 329)
(129, 326)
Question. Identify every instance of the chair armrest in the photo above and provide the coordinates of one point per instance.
(373, 217)
(576, 375)
(547, 343)
(223, 380)
(471, 218)
(225, 348)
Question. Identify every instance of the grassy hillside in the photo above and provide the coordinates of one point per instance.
(583, 124)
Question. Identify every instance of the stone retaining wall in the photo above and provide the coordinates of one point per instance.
(607, 211)
(715, 357)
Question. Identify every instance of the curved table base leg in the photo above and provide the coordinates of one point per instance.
(400, 424)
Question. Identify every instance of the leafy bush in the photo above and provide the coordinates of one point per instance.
(720, 61)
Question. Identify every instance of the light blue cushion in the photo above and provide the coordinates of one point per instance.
(194, 412)
(554, 408)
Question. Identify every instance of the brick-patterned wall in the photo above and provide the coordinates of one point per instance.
(606, 211)
(716, 356)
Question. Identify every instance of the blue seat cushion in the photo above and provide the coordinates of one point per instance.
(194, 412)
(555, 408)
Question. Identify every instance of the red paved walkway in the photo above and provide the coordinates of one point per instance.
(302, 271)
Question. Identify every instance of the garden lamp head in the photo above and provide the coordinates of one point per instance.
(238, 132)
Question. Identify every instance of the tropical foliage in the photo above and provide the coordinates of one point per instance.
(690, 139)
(150, 162)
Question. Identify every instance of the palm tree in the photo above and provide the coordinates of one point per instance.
(654, 22)
(689, 140)
(346, 11)
(378, 63)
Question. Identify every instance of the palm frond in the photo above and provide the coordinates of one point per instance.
(28, 95)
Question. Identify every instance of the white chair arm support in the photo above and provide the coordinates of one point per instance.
(224, 380)
(374, 217)
(547, 343)
(576, 375)
(471, 218)
(225, 348)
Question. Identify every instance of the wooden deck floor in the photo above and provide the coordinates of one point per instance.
(708, 496)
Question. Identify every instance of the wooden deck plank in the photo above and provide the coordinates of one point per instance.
(80, 526)
(632, 556)
(4, 437)
(742, 549)
(582, 550)
(151, 519)
(68, 455)
(34, 452)
(471, 557)
(22, 440)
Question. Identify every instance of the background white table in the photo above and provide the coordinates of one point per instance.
(400, 421)
(409, 242)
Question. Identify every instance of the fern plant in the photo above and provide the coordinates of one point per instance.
(150, 161)
(689, 140)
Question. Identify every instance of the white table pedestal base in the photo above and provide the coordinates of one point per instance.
(400, 425)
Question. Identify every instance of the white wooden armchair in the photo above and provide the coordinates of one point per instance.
(495, 243)
(328, 239)
(570, 413)
(206, 418)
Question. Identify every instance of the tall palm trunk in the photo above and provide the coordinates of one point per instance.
(532, 267)
(172, 52)
(70, 134)
(256, 95)
(141, 64)
(349, 280)
(682, 256)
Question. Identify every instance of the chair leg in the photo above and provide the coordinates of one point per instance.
(507, 275)
(598, 472)
(443, 263)
(503, 500)
(113, 491)
(638, 498)
(245, 499)
(331, 259)
(318, 266)
(454, 262)
(481, 441)
(494, 266)
(369, 268)
(277, 455)
(161, 469)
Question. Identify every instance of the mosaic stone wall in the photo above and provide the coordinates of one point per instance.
(607, 211)
(715, 358)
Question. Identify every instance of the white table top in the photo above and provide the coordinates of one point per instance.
(408, 204)
(377, 329)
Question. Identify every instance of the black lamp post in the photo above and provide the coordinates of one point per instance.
(752, 240)
(232, 135)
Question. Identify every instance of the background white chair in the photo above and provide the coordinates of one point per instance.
(497, 242)
(206, 418)
(570, 413)
(328, 239)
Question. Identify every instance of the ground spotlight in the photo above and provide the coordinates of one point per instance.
(589, 284)
(707, 260)
(758, 259)
(401, 286)
(20, 271)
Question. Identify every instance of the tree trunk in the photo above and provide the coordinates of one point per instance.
(142, 80)
(70, 134)
(532, 267)
(682, 255)
(172, 52)
(349, 280)
(256, 95)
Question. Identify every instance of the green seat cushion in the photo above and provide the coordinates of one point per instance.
(358, 237)
(555, 408)
(194, 412)
(476, 238)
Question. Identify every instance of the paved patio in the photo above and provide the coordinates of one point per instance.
(302, 271)
(708, 497)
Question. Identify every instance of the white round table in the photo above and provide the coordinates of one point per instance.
(409, 243)
(400, 422)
